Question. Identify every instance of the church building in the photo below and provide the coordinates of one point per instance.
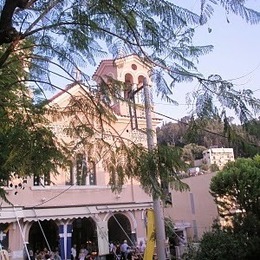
(77, 206)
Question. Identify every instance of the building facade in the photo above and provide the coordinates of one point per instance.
(193, 211)
(77, 206)
(218, 156)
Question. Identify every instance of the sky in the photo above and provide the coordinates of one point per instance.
(236, 55)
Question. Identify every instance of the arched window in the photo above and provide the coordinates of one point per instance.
(128, 85)
(140, 81)
(139, 95)
(69, 175)
(81, 169)
(82, 172)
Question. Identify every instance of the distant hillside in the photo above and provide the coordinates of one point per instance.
(244, 139)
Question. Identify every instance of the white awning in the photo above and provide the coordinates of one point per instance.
(124, 207)
(10, 214)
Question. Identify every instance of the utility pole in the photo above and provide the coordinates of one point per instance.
(158, 213)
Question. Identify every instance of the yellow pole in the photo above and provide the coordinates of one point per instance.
(149, 250)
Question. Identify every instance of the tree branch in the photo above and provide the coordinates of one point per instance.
(7, 32)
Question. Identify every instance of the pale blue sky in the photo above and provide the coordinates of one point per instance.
(236, 54)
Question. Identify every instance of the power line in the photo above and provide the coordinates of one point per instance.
(201, 128)
(247, 74)
(158, 113)
(62, 192)
(190, 104)
(65, 190)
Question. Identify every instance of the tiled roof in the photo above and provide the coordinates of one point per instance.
(66, 89)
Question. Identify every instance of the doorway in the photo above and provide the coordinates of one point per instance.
(84, 234)
(119, 228)
(44, 234)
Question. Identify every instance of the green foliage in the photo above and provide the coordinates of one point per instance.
(159, 31)
(212, 132)
(193, 152)
(191, 252)
(219, 245)
(27, 144)
(172, 133)
(169, 227)
(239, 184)
(228, 97)
(253, 128)
(236, 191)
(214, 167)
(203, 132)
(156, 170)
(56, 37)
(160, 166)
(240, 242)
(204, 167)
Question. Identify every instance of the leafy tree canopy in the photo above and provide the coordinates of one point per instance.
(236, 190)
(237, 187)
(240, 242)
(41, 39)
(71, 34)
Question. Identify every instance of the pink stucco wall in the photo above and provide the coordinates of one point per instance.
(196, 206)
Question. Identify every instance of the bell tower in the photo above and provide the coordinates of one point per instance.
(131, 71)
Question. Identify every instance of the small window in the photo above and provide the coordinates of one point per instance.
(44, 180)
(134, 67)
(92, 173)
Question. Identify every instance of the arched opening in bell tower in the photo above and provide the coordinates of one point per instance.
(128, 85)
